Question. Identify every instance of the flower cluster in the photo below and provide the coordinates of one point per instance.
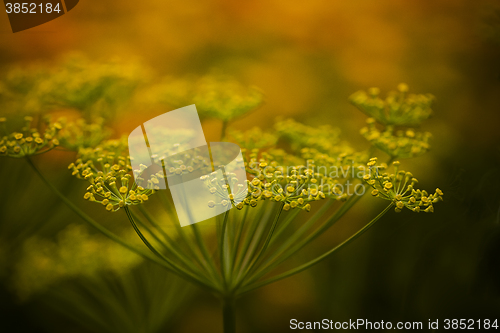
(221, 190)
(109, 172)
(401, 144)
(81, 134)
(398, 108)
(398, 187)
(94, 88)
(254, 138)
(184, 162)
(292, 180)
(302, 136)
(215, 96)
(18, 89)
(29, 140)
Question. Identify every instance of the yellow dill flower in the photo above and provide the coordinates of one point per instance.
(28, 141)
(108, 170)
(398, 187)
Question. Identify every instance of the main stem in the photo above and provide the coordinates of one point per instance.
(228, 315)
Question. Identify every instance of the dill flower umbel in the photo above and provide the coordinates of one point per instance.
(396, 115)
(109, 172)
(398, 108)
(254, 138)
(95, 88)
(295, 181)
(215, 95)
(82, 134)
(303, 136)
(399, 187)
(401, 144)
(29, 140)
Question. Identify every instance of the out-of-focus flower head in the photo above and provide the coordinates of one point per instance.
(75, 253)
(324, 138)
(96, 89)
(399, 108)
(397, 144)
(216, 96)
(254, 138)
(19, 89)
(29, 140)
(82, 134)
(398, 187)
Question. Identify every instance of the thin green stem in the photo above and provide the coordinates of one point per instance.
(223, 130)
(91, 221)
(318, 259)
(249, 237)
(254, 238)
(295, 244)
(179, 270)
(263, 248)
(222, 244)
(237, 238)
(208, 262)
(170, 248)
(187, 242)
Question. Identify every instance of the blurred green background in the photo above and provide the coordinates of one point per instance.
(307, 57)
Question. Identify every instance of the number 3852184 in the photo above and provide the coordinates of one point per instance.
(32, 8)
